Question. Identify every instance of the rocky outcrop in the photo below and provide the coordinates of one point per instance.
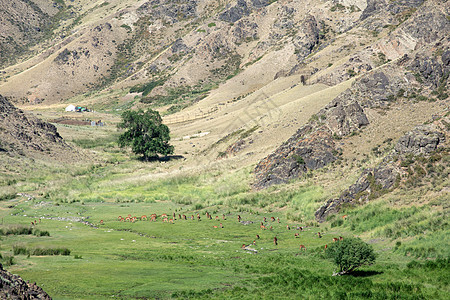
(373, 182)
(236, 12)
(13, 287)
(20, 133)
(422, 140)
(313, 145)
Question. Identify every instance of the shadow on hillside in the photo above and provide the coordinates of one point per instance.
(162, 158)
(360, 273)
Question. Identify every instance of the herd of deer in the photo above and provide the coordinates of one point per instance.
(165, 218)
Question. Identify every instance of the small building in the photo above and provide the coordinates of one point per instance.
(71, 107)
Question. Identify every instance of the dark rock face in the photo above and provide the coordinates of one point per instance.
(22, 132)
(304, 44)
(344, 116)
(421, 140)
(304, 150)
(372, 7)
(430, 69)
(236, 12)
(446, 58)
(241, 9)
(15, 288)
(371, 181)
(172, 11)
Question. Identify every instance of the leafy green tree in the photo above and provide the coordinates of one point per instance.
(350, 254)
(145, 133)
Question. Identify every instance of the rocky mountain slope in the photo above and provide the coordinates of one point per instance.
(178, 51)
(21, 134)
(414, 157)
(15, 288)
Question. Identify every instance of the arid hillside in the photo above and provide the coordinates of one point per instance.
(288, 86)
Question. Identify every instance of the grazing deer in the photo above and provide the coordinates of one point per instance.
(171, 221)
(319, 235)
(335, 239)
(287, 227)
(272, 219)
(265, 220)
(214, 226)
(239, 218)
(302, 247)
(257, 236)
(263, 227)
(164, 216)
(243, 246)
(119, 218)
(144, 217)
(165, 220)
(275, 241)
(297, 235)
(179, 216)
(184, 217)
(341, 238)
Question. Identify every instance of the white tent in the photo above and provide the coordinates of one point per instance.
(71, 107)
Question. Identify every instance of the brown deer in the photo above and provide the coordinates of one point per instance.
(302, 247)
(275, 241)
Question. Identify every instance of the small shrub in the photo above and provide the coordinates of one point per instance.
(38, 232)
(299, 160)
(350, 254)
(7, 260)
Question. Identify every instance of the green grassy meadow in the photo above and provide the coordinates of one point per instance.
(191, 258)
